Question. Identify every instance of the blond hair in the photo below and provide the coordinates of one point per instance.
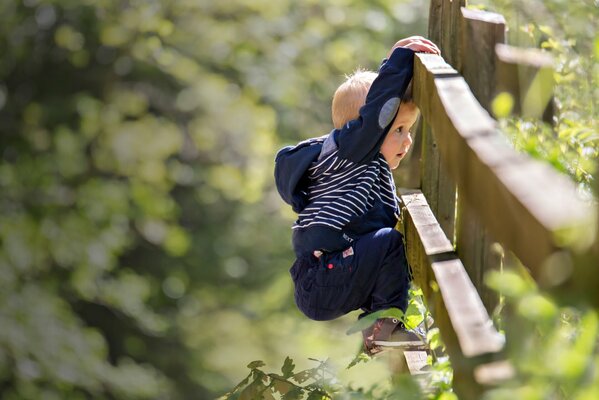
(350, 96)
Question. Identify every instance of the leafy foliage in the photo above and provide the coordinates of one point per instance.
(532, 320)
(565, 368)
(314, 383)
(326, 383)
(568, 33)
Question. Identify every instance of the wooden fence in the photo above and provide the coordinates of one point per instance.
(475, 190)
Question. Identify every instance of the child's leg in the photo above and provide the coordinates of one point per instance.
(372, 276)
(382, 263)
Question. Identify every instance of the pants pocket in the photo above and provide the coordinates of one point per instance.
(334, 271)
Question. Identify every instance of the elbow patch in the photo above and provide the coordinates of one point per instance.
(388, 111)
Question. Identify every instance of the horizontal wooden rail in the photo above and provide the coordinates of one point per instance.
(471, 340)
(525, 204)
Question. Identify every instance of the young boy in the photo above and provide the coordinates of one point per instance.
(349, 256)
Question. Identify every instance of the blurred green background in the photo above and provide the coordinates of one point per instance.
(144, 251)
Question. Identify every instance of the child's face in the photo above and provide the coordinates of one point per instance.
(399, 139)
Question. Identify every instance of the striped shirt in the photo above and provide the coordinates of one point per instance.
(340, 190)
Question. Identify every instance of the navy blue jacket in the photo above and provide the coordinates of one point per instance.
(359, 141)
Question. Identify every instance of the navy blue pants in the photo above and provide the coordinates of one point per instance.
(375, 277)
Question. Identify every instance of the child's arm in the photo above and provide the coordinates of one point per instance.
(360, 139)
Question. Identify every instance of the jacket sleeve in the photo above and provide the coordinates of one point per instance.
(360, 140)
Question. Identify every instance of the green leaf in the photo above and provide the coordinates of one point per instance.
(546, 30)
(287, 368)
(537, 308)
(317, 395)
(294, 394)
(267, 394)
(253, 391)
(414, 315)
(406, 388)
(359, 358)
(256, 364)
(448, 396)
(433, 337)
(508, 283)
(502, 105)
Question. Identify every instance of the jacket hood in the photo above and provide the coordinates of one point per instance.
(291, 164)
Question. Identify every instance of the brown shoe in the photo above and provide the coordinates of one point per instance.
(378, 332)
(388, 333)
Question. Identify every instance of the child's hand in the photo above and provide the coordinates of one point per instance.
(418, 44)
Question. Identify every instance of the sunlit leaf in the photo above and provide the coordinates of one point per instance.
(433, 338)
(361, 357)
(537, 308)
(287, 368)
(502, 105)
(508, 283)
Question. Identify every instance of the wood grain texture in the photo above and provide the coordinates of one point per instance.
(437, 184)
(417, 362)
(481, 31)
(408, 173)
(432, 251)
(465, 326)
(524, 204)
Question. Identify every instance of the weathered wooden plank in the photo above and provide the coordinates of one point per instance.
(473, 327)
(417, 361)
(494, 373)
(444, 28)
(473, 245)
(525, 204)
(435, 17)
(418, 249)
(446, 202)
(437, 185)
(408, 173)
(481, 31)
(465, 326)
(470, 320)
(527, 75)
(430, 167)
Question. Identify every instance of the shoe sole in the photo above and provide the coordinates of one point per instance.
(408, 343)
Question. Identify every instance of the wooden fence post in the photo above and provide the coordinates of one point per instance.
(437, 186)
(527, 75)
(481, 31)
(407, 175)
